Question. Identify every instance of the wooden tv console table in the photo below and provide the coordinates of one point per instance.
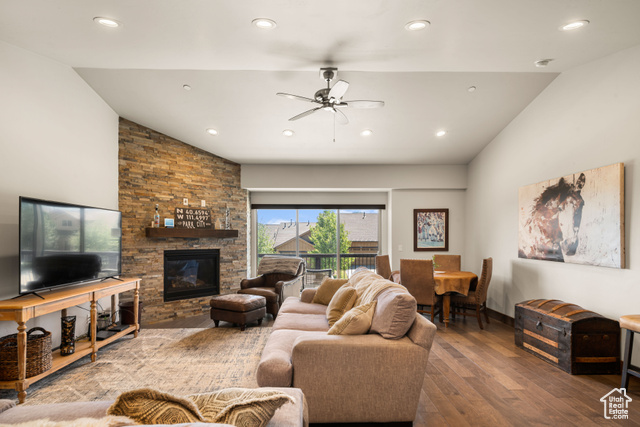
(20, 310)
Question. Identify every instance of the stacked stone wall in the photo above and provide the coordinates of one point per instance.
(157, 169)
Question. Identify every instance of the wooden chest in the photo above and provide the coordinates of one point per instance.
(575, 340)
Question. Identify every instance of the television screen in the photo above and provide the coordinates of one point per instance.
(63, 244)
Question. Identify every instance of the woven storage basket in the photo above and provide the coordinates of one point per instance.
(38, 355)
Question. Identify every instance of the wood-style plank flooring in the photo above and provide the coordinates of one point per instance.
(480, 378)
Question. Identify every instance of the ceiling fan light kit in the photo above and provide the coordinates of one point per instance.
(330, 98)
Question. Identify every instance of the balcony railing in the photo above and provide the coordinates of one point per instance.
(348, 262)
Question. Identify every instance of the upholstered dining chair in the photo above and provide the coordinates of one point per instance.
(447, 262)
(417, 276)
(476, 298)
(383, 267)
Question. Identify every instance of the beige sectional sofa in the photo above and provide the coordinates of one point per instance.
(372, 377)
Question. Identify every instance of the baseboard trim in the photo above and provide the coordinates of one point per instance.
(501, 317)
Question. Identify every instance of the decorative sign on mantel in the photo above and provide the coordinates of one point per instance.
(192, 218)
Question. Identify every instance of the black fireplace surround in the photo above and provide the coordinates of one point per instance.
(191, 273)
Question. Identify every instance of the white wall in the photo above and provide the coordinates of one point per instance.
(352, 177)
(58, 141)
(588, 117)
(402, 204)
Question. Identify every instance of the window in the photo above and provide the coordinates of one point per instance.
(313, 235)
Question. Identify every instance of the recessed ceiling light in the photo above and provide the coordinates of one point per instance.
(441, 133)
(107, 22)
(366, 132)
(212, 131)
(471, 89)
(574, 25)
(543, 62)
(288, 132)
(186, 87)
(264, 23)
(416, 25)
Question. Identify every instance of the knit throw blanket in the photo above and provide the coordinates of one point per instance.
(369, 285)
(280, 264)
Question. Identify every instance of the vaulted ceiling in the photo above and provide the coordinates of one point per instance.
(234, 69)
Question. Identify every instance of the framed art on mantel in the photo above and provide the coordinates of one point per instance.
(431, 229)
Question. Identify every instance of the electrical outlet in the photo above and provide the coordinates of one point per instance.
(185, 201)
(203, 203)
(399, 248)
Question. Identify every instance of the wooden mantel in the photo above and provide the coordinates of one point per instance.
(189, 233)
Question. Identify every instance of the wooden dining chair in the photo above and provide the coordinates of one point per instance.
(417, 276)
(447, 262)
(383, 268)
(476, 298)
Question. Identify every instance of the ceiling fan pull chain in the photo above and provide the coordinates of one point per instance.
(334, 128)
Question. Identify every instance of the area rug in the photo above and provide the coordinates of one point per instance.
(179, 361)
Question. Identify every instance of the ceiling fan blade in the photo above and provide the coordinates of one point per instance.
(339, 89)
(364, 104)
(298, 97)
(305, 114)
(341, 117)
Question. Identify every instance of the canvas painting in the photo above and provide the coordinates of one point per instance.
(578, 218)
(431, 229)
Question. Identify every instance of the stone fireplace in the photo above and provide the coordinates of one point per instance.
(157, 169)
(191, 273)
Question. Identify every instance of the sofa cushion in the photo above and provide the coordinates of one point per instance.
(275, 368)
(295, 305)
(394, 314)
(327, 289)
(301, 322)
(56, 411)
(341, 302)
(356, 321)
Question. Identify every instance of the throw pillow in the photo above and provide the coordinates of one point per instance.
(356, 321)
(149, 406)
(394, 314)
(341, 302)
(237, 406)
(327, 289)
(240, 406)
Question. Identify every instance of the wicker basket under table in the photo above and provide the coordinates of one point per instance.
(39, 356)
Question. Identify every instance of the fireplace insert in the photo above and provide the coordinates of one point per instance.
(191, 273)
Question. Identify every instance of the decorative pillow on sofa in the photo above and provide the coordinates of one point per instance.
(394, 314)
(327, 289)
(250, 407)
(341, 302)
(356, 321)
(237, 406)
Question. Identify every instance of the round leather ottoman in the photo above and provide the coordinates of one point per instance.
(238, 308)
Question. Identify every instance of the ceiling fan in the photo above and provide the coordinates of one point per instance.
(330, 98)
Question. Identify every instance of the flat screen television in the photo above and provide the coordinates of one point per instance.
(63, 244)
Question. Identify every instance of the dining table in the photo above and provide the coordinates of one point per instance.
(448, 282)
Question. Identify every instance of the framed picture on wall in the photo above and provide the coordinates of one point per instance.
(578, 218)
(431, 229)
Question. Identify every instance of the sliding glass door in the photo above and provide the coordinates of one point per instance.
(314, 235)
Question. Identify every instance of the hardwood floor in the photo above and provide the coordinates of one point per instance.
(480, 378)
